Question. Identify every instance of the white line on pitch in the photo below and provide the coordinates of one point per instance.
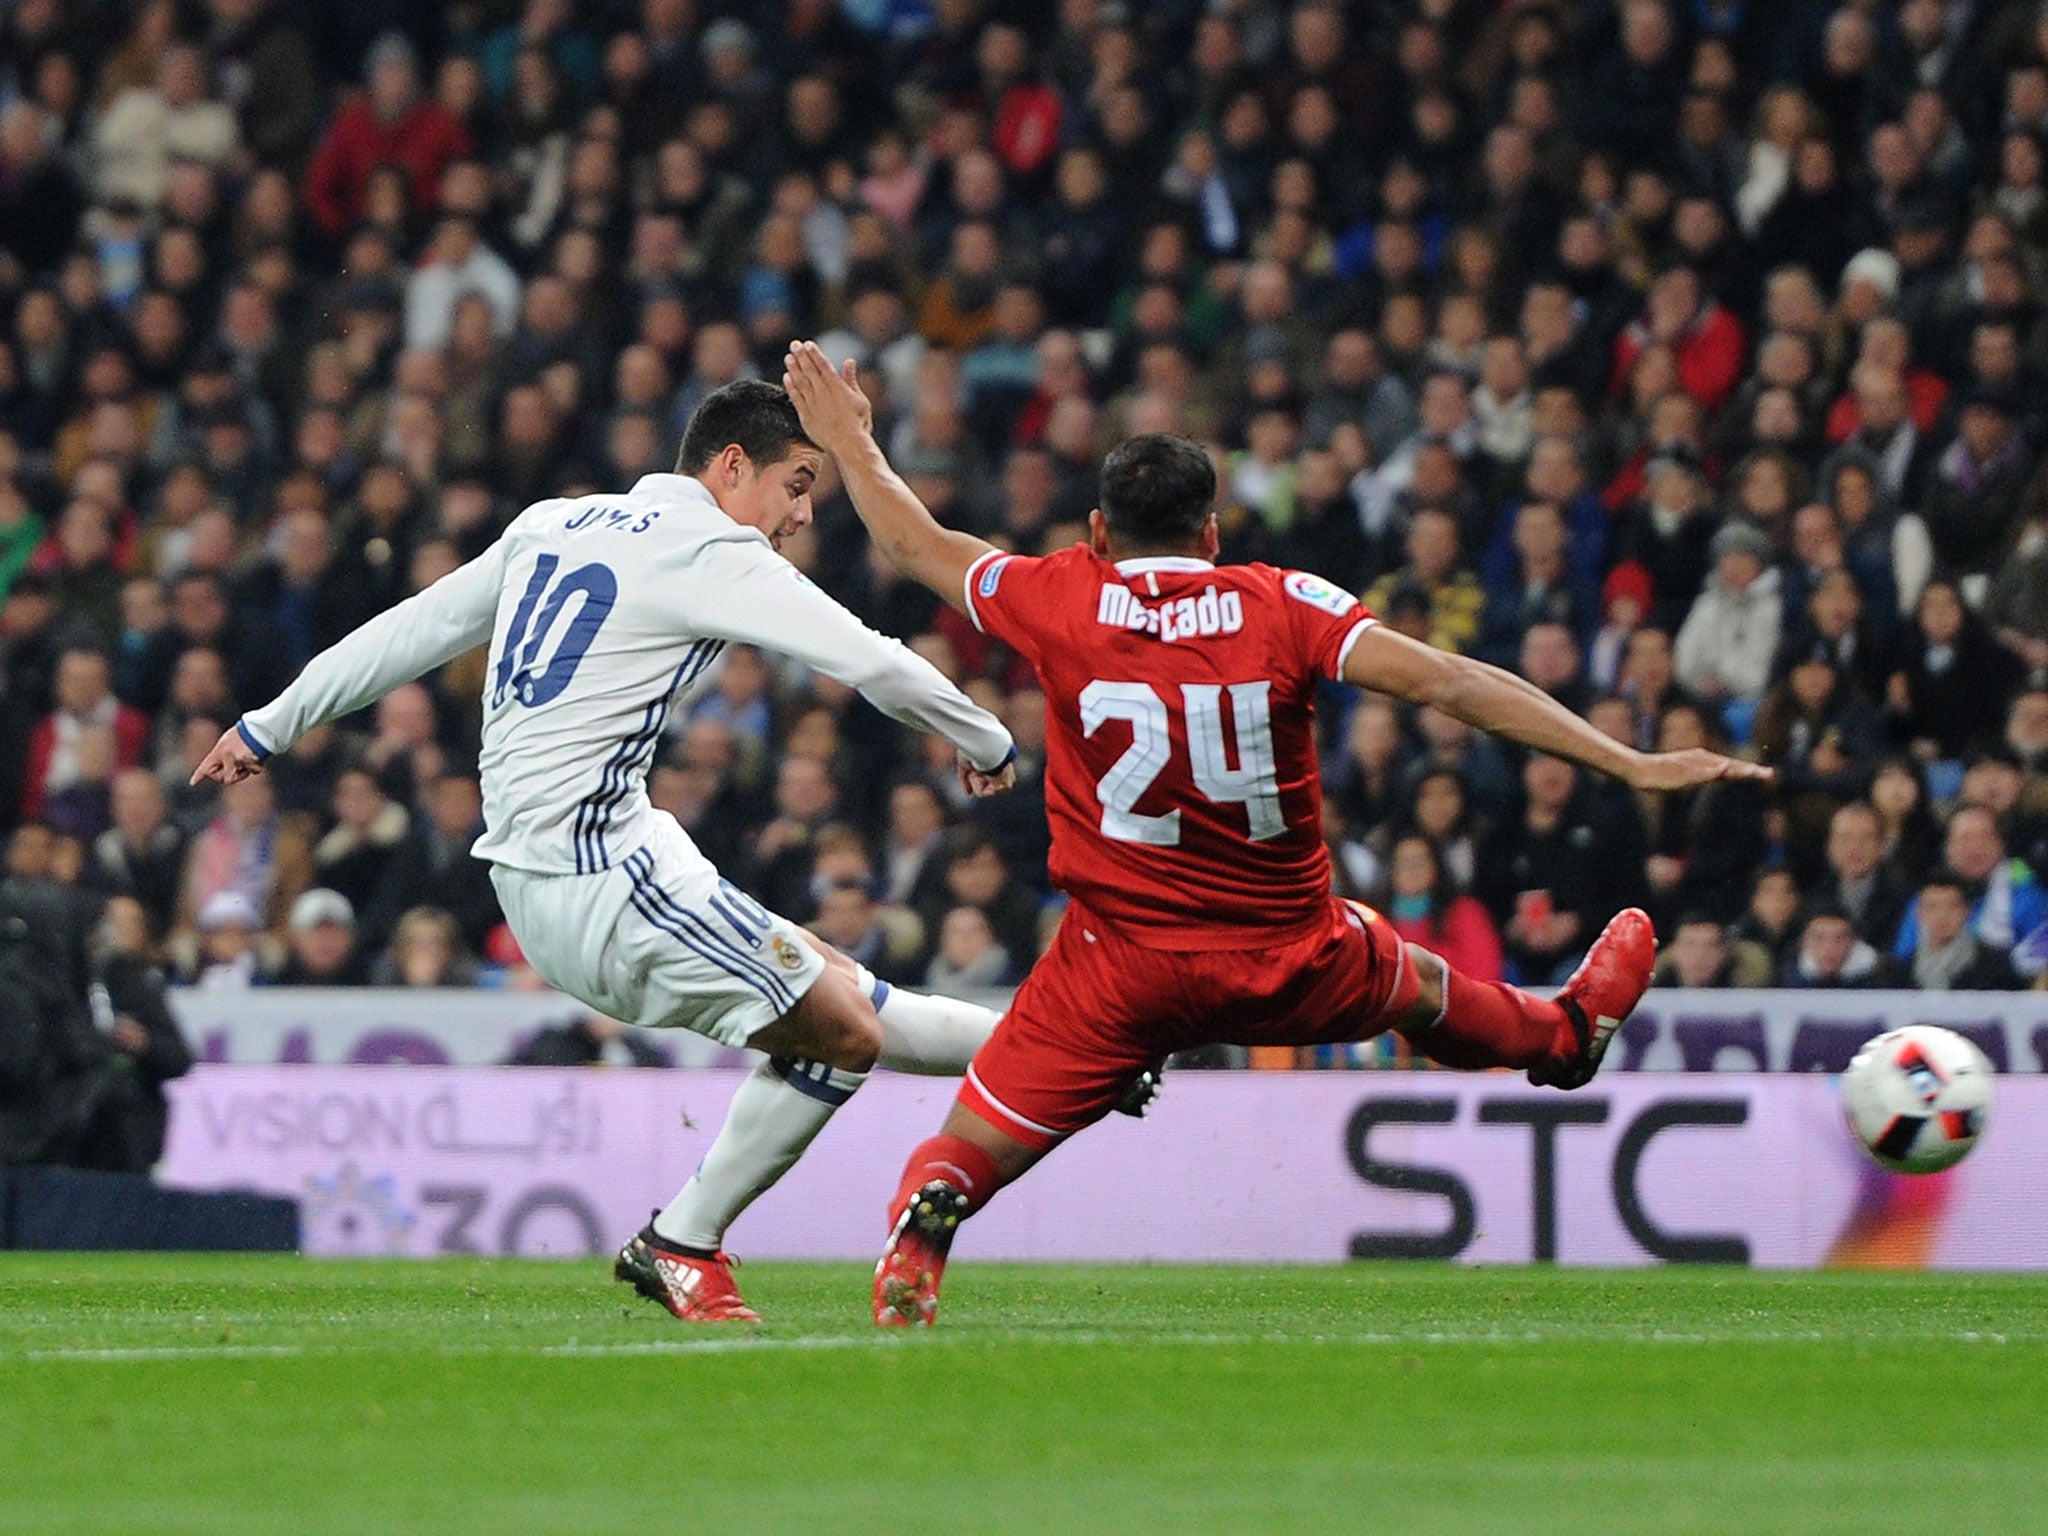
(745, 1344)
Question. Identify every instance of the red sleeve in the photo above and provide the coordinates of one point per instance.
(1928, 393)
(1000, 588)
(1710, 363)
(328, 193)
(1027, 128)
(442, 142)
(1628, 346)
(42, 745)
(131, 736)
(1842, 420)
(1324, 619)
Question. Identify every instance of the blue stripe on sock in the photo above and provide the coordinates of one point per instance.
(812, 1078)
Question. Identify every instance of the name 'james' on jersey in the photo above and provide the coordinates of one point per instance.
(1181, 779)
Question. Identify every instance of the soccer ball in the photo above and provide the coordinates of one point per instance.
(1917, 1098)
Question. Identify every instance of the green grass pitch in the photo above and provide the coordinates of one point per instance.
(251, 1395)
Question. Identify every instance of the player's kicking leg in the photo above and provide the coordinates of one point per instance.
(818, 1056)
(819, 1053)
(987, 1142)
(1560, 1041)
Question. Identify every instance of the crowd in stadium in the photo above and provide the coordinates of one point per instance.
(1687, 356)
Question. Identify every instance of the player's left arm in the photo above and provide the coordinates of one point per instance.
(740, 590)
(838, 418)
(1502, 704)
(427, 630)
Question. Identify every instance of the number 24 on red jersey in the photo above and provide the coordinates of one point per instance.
(1181, 777)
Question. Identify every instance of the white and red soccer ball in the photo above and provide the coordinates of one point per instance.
(1917, 1098)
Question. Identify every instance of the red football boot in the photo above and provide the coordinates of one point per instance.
(694, 1288)
(1600, 994)
(908, 1273)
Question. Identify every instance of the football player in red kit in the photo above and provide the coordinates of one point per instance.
(1184, 799)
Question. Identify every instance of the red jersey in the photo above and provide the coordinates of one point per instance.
(1181, 780)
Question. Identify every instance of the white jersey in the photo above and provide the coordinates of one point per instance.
(598, 611)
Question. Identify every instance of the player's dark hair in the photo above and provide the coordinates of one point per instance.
(757, 415)
(1947, 877)
(1157, 491)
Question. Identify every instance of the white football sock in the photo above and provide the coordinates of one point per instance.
(934, 1036)
(781, 1106)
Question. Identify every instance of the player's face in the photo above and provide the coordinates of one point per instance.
(776, 498)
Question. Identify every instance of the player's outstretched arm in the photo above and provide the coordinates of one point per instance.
(838, 418)
(742, 591)
(425, 631)
(1503, 704)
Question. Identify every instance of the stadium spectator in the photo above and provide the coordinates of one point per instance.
(368, 827)
(1441, 813)
(1870, 894)
(1947, 956)
(1833, 957)
(393, 124)
(85, 704)
(1724, 649)
(1427, 908)
(247, 850)
(977, 880)
(287, 328)
(228, 949)
(1702, 953)
(1771, 918)
(1701, 844)
(142, 854)
(2004, 902)
(1435, 568)
(426, 950)
(1929, 709)
(431, 865)
(320, 938)
(1821, 735)
(1542, 876)
(1669, 531)
(145, 129)
(147, 1049)
(1537, 587)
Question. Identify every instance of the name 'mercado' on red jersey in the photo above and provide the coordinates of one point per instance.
(1181, 780)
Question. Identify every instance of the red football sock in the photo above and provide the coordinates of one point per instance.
(1491, 1024)
(956, 1160)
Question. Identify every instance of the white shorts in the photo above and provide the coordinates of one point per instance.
(661, 940)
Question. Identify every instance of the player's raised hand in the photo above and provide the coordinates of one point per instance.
(231, 760)
(1693, 767)
(981, 785)
(828, 401)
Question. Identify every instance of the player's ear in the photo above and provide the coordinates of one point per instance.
(1098, 533)
(1212, 538)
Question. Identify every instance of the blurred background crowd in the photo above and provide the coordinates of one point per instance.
(1685, 355)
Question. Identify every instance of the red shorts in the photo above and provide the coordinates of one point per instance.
(1098, 1010)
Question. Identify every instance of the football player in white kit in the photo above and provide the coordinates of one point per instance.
(599, 611)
